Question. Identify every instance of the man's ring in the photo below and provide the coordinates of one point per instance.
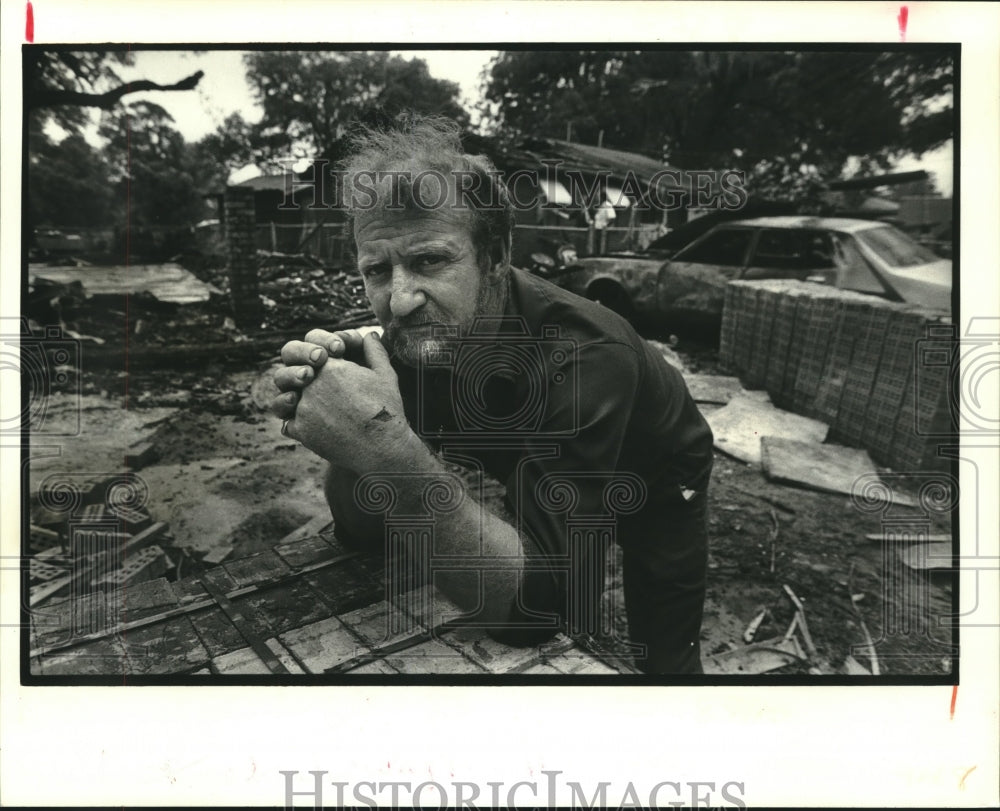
(284, 428)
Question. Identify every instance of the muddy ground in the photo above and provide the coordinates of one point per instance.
(228, 484)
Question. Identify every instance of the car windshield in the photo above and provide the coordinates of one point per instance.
(895, 248)
(722, 246)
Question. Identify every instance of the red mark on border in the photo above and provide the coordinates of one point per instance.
(903, 18)
(954, 698)
(29, 23)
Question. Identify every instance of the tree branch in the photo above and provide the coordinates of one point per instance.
(55, 98)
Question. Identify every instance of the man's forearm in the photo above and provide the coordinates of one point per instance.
(492, 548)
(351, 523)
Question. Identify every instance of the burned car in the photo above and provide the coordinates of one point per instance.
(862, 255)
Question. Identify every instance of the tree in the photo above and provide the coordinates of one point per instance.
(61, 84)
(148, 164)
(310, 98)
(233, 145)
(70, 182)
(67, 182)
(790, 120)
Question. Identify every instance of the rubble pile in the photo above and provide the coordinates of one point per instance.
(297, 290)
(91, 537)
(97, 542)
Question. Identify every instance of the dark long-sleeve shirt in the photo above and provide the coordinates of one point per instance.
(584, 422)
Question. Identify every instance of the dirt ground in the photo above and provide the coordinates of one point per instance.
(227, 481)
(228, 484)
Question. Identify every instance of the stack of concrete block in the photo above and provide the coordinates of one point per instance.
(848, 359)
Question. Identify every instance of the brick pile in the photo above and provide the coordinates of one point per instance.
(850, 360)
(240, 218)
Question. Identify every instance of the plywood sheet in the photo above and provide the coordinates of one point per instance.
(817, 466)
(718, 389)
(739, 426)
(927, 556)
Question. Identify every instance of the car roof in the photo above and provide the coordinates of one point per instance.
(825, 223)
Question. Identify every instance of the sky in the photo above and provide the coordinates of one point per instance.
(224, 90)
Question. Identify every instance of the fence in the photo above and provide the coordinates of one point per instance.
(332, 243)
(328, 242)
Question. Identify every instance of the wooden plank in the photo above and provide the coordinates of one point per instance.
(172, 646)
(542, 669)
(580, 663)
(432, 656)
(428, 605)
(217, 554)
(53, 623)
(902, 535)
(305, 551)
(189, 589)
(759, 657)
(713, 388)
(37, 594)
(924, 557)
(217, 633)
(101, 657)
(192, 605)
(852, 667)
(739, 426)
(322, 645)
(310, 529)
(814, 465)
(382, 624)
(345, 587)
(261, 567)
(379, 667)
(286, 607)
(144, 599)
(496, 657)
(248, 630)
(245, 662)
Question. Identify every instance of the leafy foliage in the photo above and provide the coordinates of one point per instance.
(310, 98)
(789, 119)
(68, 182)
(150, 166)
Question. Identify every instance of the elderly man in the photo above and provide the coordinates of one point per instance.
(594, 436)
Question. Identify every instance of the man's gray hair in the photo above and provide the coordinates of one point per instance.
(415, 144)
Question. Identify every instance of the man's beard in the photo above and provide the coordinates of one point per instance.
(425, 334)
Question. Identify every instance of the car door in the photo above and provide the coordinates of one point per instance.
(793, 253)
(695, 279)
(724, 247)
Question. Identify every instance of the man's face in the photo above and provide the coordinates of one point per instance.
(420, 270)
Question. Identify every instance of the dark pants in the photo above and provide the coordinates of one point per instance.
(664, 577)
